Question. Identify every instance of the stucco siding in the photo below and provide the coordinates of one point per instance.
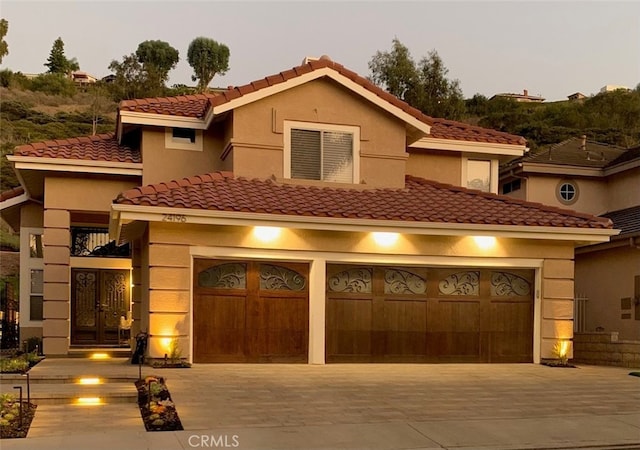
(605, 277)
(436, 166)
(624, 190)
(258, 131)
(592, 194)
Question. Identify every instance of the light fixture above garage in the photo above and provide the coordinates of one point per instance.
(385, 239)
(485, 242)
(267, 234)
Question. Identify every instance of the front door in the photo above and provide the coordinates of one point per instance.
(99, 298)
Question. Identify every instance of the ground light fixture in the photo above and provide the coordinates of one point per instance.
(267, 234)
(100, 356)
(88, 401)
(89, 381)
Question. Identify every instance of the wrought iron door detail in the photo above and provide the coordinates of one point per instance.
(226, 276)
(115, 285)
(461, 283)
(504, 284)
(86, 299)
(280, 278)
(400, 281)
(352, 280)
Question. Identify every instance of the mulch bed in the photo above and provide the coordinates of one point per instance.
(13, 429)
(558, 364)
(156, 407)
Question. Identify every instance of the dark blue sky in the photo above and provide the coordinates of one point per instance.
(551, 49)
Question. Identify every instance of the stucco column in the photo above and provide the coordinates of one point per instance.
(317, 303)
(557, 306)
(57, 295)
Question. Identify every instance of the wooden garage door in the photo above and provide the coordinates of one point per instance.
(421, 314)
(250, 311)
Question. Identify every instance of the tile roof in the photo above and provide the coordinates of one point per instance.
(626, 220)
(102, 147)
(420, 201)
(629, 155)
(197, 105)
(11, 193)
(571, 152)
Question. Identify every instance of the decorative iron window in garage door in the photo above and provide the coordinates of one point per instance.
(280, 278)
(225, 276)
(504, 284)
(401, 280)
(460, 283)
(357, 279)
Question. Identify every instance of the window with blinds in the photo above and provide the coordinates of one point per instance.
(322, 155)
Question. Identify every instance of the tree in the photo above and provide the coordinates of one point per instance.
(131, 79)
(207, 58)
(157, 59)
(4, 29)
(424, 86)
(58, 62)
(395, 71)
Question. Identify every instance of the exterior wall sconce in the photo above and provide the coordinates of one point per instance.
(267, 234)
(485, 242)
(385, 239)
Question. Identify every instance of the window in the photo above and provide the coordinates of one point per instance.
(479, 175)
(321, 152)
(87, 241)
(511, 186)
(35, 295)
(35, 245)
(567, 192)
(183, 139)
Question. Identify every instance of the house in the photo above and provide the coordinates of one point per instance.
(524, 97)
(577, 96)
(308, 216)
(604, 180)
(612, 88)
(82, 78)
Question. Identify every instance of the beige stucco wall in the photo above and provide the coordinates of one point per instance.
(592, 198)
(165, 164)
(170, 275)
(436, 166)
(84, 194)
(605, 277)
(258, 138)
(624, 189)
(31, 216)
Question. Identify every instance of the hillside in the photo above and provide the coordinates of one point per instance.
(29, 116)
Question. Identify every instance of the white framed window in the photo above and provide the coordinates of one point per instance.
(183, 139)
(567, 192)
(31, 277)
(321, 152)
(480, 174)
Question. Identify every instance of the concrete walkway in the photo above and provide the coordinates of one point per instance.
(374, 406)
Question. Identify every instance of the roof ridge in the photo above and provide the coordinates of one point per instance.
(507, 199)
(67, 141)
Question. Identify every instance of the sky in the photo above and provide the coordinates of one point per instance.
(552, 49)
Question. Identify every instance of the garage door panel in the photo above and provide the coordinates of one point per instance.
(405, 325)
(223, 333)
(250, 312)
(349, 327)
(453, 329)
(510, 331)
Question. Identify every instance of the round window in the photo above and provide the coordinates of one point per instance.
(567, 192)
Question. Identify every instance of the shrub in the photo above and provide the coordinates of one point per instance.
(54, 84)
(5, 78)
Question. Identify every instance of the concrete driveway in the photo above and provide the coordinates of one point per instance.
(452, 406)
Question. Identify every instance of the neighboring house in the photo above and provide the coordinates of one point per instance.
(312, 217)
(613, 87)
(82, 78)
(577, 96)
(524, 97)
(598, 179)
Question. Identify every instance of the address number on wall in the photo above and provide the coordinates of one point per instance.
(174, 218)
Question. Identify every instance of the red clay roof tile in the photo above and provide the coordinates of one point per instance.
(420, 201)
(11, 193)
(103, 147)
(198, 104)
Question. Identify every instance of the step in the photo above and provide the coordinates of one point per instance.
(111, 352)
(56, 394)
(9, 378)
